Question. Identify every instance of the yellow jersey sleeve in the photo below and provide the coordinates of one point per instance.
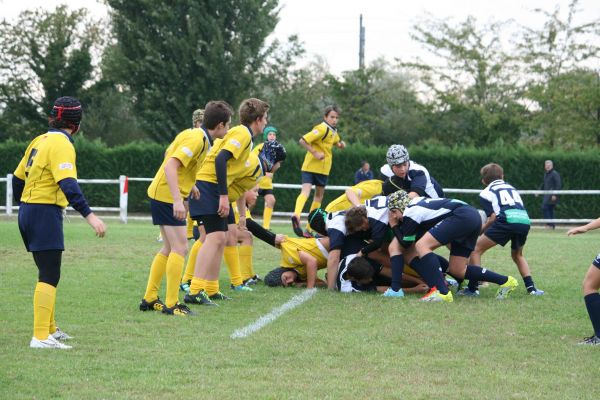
(62, 162)
(317, 133)
(188, 147)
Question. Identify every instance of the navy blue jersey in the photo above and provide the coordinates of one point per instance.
(422, 214)
(377, 214)
(416, 180)
(502, 199)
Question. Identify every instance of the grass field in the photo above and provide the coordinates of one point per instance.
(333, 346)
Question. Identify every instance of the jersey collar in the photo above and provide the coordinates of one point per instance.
(54, 130)
(330, 127)
(210, 139)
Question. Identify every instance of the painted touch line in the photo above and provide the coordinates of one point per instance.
(274, 314)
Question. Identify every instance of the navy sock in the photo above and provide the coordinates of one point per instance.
(529, 285)
(475, 273)
(429, 269)
(443, 263)
(397, 269)
(473, 284)
(592, 303)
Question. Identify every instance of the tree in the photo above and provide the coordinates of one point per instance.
(475, 90)
(174, 57)
(43, 55)
(562, 89)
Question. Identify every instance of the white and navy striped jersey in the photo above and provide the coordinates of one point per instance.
(502, 199)
(422, 214)
(416, 180)
(344, 285)
(377, 213)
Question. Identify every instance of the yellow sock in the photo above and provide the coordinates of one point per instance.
(44, 298)
(197, 285)
(267, 214)
(232, 260)
(314, 205)
(174, 267)
(190, 227)
(212, 287)
(300, 201)
(157, 271)
(52, 320)
(191, 262)
(245, 253)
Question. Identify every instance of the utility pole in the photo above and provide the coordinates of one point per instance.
(361, 45)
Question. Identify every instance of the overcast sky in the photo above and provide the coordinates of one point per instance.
(330, 28)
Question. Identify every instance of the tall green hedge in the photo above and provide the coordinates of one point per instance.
(452, 167)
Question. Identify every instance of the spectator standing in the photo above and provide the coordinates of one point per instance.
(364, 173)
(552, 181)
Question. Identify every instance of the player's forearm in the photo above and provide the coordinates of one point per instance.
(353, 197)
(18, 185)
(73, 193)
(311, 275)
(332, 268)
(306, 145)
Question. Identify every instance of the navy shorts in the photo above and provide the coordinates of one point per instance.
(162, 214)
(214, 223)
(208, 204)
(501, 233)
(461, 230)
(264, 192)
(41, 227)
(314, 179)
(596, 261)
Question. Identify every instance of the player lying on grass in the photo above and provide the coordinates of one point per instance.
(507, 220)
(591, 285)
(422, 225)
(300, 260)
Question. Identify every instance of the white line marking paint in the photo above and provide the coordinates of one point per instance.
(274, 314)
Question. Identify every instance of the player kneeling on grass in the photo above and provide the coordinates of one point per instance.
(44, 183)
(591, 285)
(300, 260)
(507, 220)
(443, 221)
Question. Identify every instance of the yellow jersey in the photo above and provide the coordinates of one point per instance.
(238, 141)
(266, 182)
(49, 159)
(364, 190)
(190, 148)
(248, 177)
(322, 138)
(290, 254)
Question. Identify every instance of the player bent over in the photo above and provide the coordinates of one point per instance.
(591, 285)
(173, 182)
(443, 221)
(507, 220)
(44, 183)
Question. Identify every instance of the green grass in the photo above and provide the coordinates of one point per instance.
(333, 346)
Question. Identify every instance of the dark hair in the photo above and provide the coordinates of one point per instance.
(216, 112)
(273, 278)
(355, 218)
(66, 113)
(491, 172)
(331, 108)
(359, 268)
(317, 220)
(252, 109)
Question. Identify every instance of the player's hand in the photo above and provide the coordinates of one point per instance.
(422, 287)
(319, 155)
(223, 210)
(576, 231)
(242, 223)
(341, 145)
(279, 238)
(96, 224)
(553, 198)
(195, 193)
(359, 254)
(179, 211)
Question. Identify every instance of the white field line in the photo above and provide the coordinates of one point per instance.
(274, 314)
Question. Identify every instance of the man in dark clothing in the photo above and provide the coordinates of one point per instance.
(364, 173)
(551, 182)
